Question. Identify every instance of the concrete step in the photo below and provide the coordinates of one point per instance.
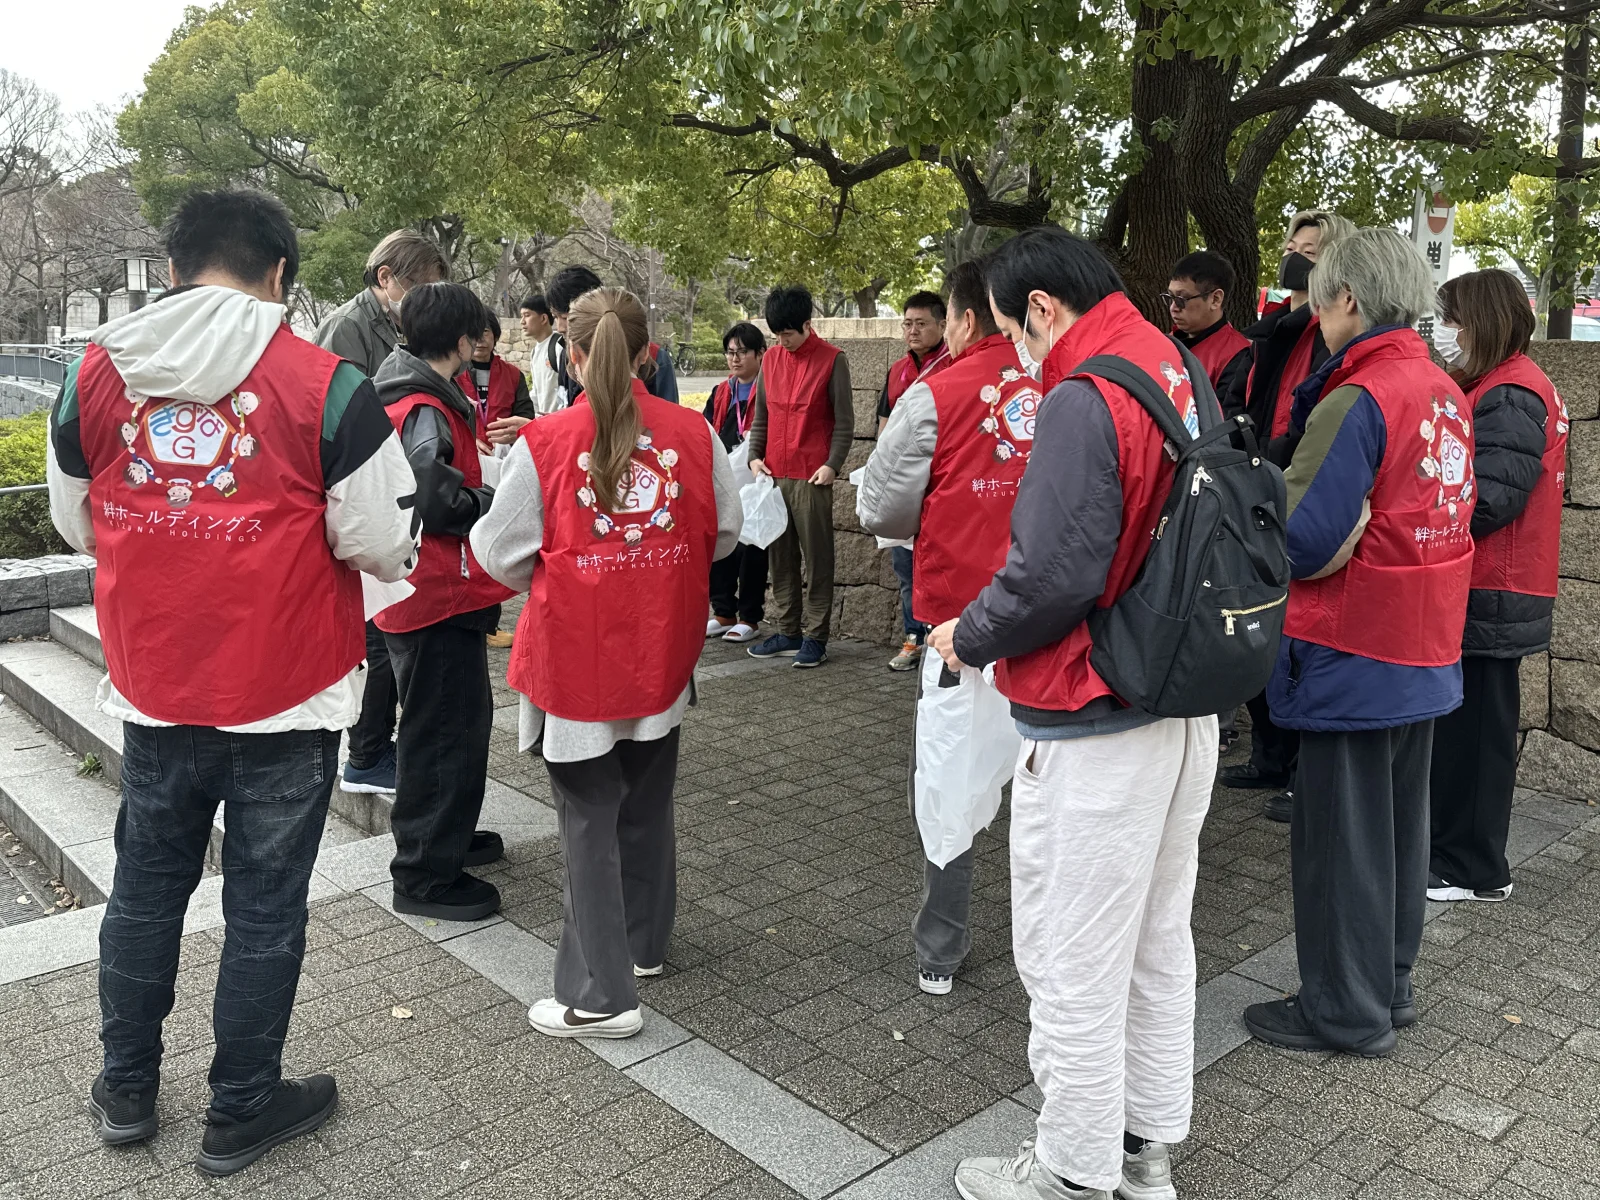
(77, 629)
(57, 688)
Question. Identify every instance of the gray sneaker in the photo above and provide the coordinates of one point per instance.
(1147, 1175)
(1021, 1178)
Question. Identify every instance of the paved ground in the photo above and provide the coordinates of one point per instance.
(799, 874)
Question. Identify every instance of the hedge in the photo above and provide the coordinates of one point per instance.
(25, 528)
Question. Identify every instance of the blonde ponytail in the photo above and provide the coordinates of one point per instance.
(609, 325)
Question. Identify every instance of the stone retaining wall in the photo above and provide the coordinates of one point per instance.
(31, 587)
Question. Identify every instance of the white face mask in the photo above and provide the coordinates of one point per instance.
(1446, 340)
(1029, 364)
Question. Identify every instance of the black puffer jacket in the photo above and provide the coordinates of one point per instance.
(1508, 459)
(1255, 392)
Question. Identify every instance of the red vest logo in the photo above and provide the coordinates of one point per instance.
(1010, 418)
(1446, 459)
(647, 494)
(184, 433)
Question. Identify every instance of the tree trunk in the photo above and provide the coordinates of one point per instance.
(1224, 210)
(1566, 232)
(867, 298)
(691, 296)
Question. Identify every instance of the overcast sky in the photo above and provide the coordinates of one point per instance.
(87, 52)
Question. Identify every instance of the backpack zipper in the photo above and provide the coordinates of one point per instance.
(1228, 614)
(1201, 475)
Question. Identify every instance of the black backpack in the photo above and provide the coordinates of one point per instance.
(1198, 631)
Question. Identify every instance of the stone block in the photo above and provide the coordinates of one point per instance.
(844, 492)
(1575, 702)
(871, 613)
(69, 587)
(24, 622)
(855, 559)
(1535, 673)
(866, 407)
(1576, 632)
(1558, 767)
(1583, 463)
(886, 576)
(22, 585)
(1580, 543)
(1574, 367)
(869, 360)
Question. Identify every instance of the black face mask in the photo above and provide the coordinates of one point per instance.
(1295, 272)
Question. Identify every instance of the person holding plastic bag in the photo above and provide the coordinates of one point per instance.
(739, 581)
(945, 470)
(609, 515)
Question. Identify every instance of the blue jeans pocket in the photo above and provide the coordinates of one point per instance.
(276, 767)
(141, 756)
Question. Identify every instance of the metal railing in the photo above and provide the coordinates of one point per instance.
(23, 487)
(47, 364)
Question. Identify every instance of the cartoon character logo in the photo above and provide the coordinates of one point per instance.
(1446, 460)
(1010, 419)
(645, 495)
(186, 433)
(1186, 407)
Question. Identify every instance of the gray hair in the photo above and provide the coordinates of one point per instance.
(1385, 273)
(1333, 226)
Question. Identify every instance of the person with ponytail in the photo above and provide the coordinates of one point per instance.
(609, 515)
(1520, 444)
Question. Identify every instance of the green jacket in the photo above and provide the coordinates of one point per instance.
(360, 332)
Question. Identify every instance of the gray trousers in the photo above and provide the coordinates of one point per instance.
(620, 855)
(1358, 852)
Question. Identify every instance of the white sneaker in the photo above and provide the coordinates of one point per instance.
(716, 627)
(648, 972)
(935, 985)
(1147, 1175)
(1448, 891)
(742, 632)
(555, 1019)
(1019, 1178)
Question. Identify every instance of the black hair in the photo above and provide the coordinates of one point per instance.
(567, 285)
(535, 303)
(240, 231)
(747, 335)
(1207, 270)
(931, 301)
(435, 317)
(491, 322)
(788, 308)
(1049, 259)
(969, 292)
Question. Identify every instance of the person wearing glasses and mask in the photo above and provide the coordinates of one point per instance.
(1286, 348)
(1200, 286)
(739, 581)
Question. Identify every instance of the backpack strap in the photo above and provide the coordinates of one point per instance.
(1154, 400)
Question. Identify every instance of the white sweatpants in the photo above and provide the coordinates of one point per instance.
(1104, 849)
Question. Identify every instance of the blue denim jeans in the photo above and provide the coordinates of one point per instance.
(274, 789)
(900, 558)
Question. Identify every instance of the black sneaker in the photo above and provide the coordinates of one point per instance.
(1279, 808)
(126, 1114)
(298, 1107)
(1249, 776)
(485, 847)
(1283, 1023)
(467, 899)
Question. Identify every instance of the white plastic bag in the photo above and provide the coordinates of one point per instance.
(489, 466)
(967, 746)
(765, 514)
(739, 459)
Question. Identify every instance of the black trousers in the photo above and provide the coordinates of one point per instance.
(370, 736)
(1358, 853)
(446, 712)
(1474, 775)
(739, 584)
(620, 852)
(1272, 747)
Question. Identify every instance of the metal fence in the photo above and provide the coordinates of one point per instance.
(47, 364)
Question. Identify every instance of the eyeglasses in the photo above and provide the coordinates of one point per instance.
(1172, 300)
(738, 351)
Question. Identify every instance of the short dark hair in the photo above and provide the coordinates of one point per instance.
(435, 317)
(747, 335)
(931, 301)
(788, 308)
(969, 292)
(1049, 259)
(1207, 269)
(491, 322)
(535, 303)
(239, 231)
(567, 285)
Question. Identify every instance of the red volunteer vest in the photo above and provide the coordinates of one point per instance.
(799, 411)
(722, 399)
(503, 380)
(906, 370)
(448, 579)
(986, 406)
(609, 631)
(1294, 374)
(218, 598)
(1524, 555)
(1402, 597)
(1216, 350)
(1058, 677)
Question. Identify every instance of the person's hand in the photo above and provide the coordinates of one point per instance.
(824, 476)
(757, 467)
(504, 431)
(484, 447)
(943, 641)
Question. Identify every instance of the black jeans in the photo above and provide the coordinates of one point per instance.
(739, 584)
(446, 712)
(274, 790)
(374, 730)
(1475, 774)
(1272, 747)
(1358, 855)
